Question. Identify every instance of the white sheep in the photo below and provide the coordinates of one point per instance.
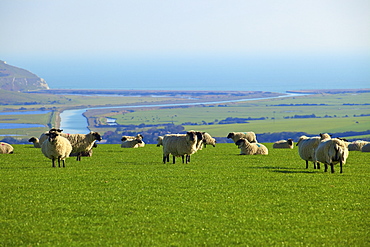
(179, 145)
(284, 144)
(356, 145)
(84, 154)
(331, 152)
(366, 148)
(249, 136)
(82, 142)
(6, 148)
(56, 147)
(35, 141)
(208, 140)
(307, 146)
(139, 136)
(247, 148)
(131, 143)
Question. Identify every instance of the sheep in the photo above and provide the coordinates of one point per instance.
(356, 145)
(159, 141)
(6, 148)
(284, 144)
(179, 145)
(250, 136)
(331, 152)
(366, 148)
(306, 148)
(84, 154)
(247, 148)
(131, 143)
(208, 140)
(43, 136)
(82, 142)
(56, 147)
(35, 141)
(139, 136)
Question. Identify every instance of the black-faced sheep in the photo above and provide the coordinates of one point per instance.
(56, 147)
(331, 152)
(6, 148)
(284, 144)
(249, 136)
(43, 136)
(159, 141)
(35, 141)
(82, 142)
(247, 148)
(179, 145)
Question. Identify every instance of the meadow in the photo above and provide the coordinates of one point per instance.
(128, 197)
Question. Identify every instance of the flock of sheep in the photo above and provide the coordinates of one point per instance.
(57, 146)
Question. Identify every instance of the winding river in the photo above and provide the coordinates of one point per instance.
(73, 122)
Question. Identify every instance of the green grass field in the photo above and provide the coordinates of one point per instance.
(127, 197)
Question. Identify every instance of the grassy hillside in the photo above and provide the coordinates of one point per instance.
(127, 197)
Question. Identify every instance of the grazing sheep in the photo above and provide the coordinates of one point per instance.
(6, 148)
(284, 144)
(159, 141)
(179, 145)
(366, 148)
(35, 141)
(131, 143)
(56, 147)
(249, 136)
(306, 148)
(331, 152)
(82, 142)
(356, 145)
(208, 140)
(247, 148)
(84, 154)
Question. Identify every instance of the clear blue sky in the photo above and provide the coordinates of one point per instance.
(233, 44)
(188, 26)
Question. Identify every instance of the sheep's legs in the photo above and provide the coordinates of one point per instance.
(64, 165)
(53, 162)
(332, 167)
(58, 161)
(306, 164)
(173, 159)
(326, 168)
(341, 163)
(318, 165)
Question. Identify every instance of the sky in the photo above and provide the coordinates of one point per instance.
(136, 29)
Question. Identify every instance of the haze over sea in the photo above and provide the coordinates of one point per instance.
(222, 72)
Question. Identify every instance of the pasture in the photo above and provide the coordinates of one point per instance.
(128, 197)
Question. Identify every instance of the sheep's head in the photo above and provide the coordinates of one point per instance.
(124, 138)
(97, 136)
(230, 135)
(140, 136)
(290, 142)
(240, 142)
(52, 135)
(55, 130)
(33, 139)
(192, 135)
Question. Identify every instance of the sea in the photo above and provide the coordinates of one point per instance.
(274, 73)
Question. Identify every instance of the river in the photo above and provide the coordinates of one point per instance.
(73, 122)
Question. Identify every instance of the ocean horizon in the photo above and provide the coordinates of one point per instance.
(275, 73)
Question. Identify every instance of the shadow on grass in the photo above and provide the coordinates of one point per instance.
(284, 169)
